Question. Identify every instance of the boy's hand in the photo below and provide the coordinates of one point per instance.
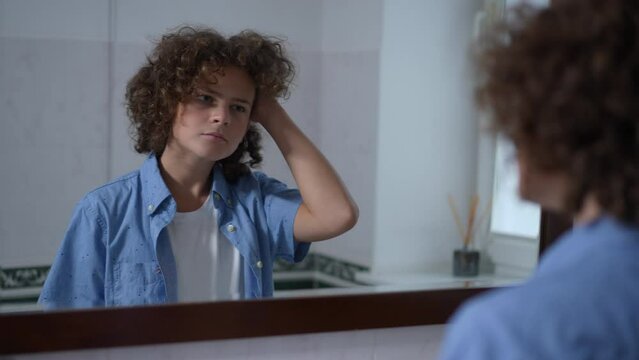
(266, 110)
(327, 208)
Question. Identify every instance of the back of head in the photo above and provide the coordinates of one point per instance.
(563, 83)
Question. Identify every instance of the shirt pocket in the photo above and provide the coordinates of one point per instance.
(137, 283)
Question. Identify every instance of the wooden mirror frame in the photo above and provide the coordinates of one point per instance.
(101, 328)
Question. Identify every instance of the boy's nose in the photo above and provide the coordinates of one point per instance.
(220, 115)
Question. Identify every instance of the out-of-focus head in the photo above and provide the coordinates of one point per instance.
(563, 84)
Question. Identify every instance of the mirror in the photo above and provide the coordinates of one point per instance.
(384, 89)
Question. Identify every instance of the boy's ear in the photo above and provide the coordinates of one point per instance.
(252, 109)
(179, 110)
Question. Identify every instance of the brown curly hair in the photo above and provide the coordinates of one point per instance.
(179, 60)
(563, 83)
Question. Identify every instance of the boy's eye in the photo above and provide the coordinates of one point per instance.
(205, 98)
(239, 108)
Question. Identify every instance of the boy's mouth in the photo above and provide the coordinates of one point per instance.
(216, 136)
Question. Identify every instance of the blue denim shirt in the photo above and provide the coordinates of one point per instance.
(116, 251)
(582, 303)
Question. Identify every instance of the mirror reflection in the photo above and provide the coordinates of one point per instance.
(383, 90)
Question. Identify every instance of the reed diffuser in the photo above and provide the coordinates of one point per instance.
(466, 259)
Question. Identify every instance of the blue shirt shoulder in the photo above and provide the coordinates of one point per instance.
(580, 304)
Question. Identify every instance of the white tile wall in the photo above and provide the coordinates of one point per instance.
(52, 144)
(296, 20)
(351, 25)
(349, 113)
(60, 19)
(427, 133)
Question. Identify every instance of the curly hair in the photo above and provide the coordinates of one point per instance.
(563, 84)
(178, 61)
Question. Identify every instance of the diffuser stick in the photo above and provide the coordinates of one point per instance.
(458, 222)
(471, 219)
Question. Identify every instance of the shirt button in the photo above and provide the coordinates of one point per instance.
(150, 207)
(259, 264)
(230, 228)
(216, 196)
(229, 202)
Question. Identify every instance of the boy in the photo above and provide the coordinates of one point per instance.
(194, 223)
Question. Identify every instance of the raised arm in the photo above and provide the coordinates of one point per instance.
(327, 209)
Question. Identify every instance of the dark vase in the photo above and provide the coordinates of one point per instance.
(466, 262)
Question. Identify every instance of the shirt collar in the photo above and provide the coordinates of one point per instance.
(580, 240)
(154, 190)
(220, 185)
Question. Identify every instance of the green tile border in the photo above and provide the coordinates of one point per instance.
(27, 299)
(330, 266)
(23, 277)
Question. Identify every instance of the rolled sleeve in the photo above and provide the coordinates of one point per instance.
(76, 278)
(280, 206)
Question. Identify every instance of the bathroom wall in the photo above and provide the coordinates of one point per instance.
(54, 71)
(427, 134)
(351, 37)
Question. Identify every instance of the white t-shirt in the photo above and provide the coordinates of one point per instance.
(208, 265)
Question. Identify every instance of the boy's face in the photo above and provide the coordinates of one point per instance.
(211, 124)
